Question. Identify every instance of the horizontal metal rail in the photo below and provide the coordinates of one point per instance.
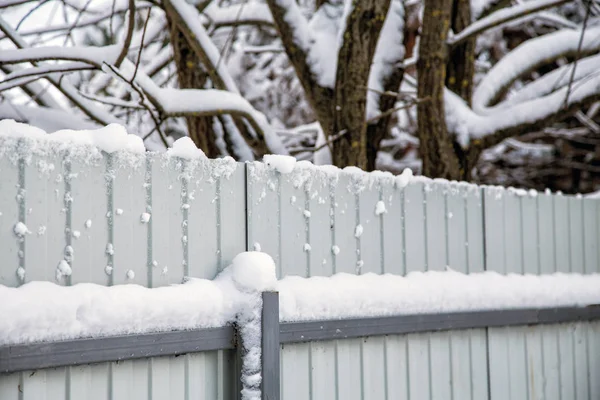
(296, 332)
(23, 357)
(115, 348)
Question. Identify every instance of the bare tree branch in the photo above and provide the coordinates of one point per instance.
(130, 26)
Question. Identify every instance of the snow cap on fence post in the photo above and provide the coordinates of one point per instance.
(254, 274)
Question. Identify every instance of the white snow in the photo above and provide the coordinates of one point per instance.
(254, 271)
(358, 231)
(335, 250)
(21, 230)
(389, 52)
(130, 274)
(307, 247)
(41, 230)
(281, 163)
(403, 179)
(88, 223)
(350, 296)
(380, 208)
(20, 273)
(110, 138)
(40, 311)
(306, 213)
(144, 218)
(185, 148)
(119, 211)
(76, 234)
(63, 269)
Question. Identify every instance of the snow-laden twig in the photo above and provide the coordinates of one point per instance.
(529, 56)
(248, 13)
(96, 113)
(501, 17)
(551, 81)
(46, 69)
(95, 56)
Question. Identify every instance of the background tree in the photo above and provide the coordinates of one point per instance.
(493, 92)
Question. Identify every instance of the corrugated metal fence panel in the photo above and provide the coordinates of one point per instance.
(9, 207)
(381, 369)
(88, 209)
(202, 376)
(541, 362)
(91, 210)
(530, 233)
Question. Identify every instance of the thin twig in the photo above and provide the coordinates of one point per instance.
(393, 110)
(578, 54)
(69, 32)
(139, 56)
(332, 139)
(28, 14)
(143, 98)
(130, 26)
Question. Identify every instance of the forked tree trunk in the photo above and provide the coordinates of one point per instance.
(436, 147)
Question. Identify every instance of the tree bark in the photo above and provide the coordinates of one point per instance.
(461, 63)
(191, 75)
(352, 78)
(436, 147)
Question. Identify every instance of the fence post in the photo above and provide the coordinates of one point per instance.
(270, 384)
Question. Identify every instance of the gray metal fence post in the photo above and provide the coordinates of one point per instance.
(270, 385)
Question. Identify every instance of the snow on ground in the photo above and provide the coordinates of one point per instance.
(39, 311)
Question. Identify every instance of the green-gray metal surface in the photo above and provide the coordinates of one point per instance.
(308, 224)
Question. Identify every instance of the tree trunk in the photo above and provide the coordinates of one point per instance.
(461, 63)
(191, 75)
(348, 130)
(436, 147)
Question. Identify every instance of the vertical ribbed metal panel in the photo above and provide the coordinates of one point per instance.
(9, 207)
(87, 209)
(202, 376)
(89, 188)
(536, 363)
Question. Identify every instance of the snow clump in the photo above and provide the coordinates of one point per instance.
(185, 148)
(282, 164)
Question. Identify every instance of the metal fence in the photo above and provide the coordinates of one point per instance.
(89, 210)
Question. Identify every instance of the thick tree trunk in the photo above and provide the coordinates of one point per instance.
(436, 147)
(461, 63)
(348, 130)
(191, 75)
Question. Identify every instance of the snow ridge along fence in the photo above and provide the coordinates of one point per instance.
(77, 214)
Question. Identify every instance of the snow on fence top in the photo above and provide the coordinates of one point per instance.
(41, 311)
(92, 206)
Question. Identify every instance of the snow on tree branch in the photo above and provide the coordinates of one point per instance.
(95, 56)
(501, 17)
(91, 110)
(248, 13)
(187, 18)
(532, 54)
(518, 118)
(552, 81)
(388, 55)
